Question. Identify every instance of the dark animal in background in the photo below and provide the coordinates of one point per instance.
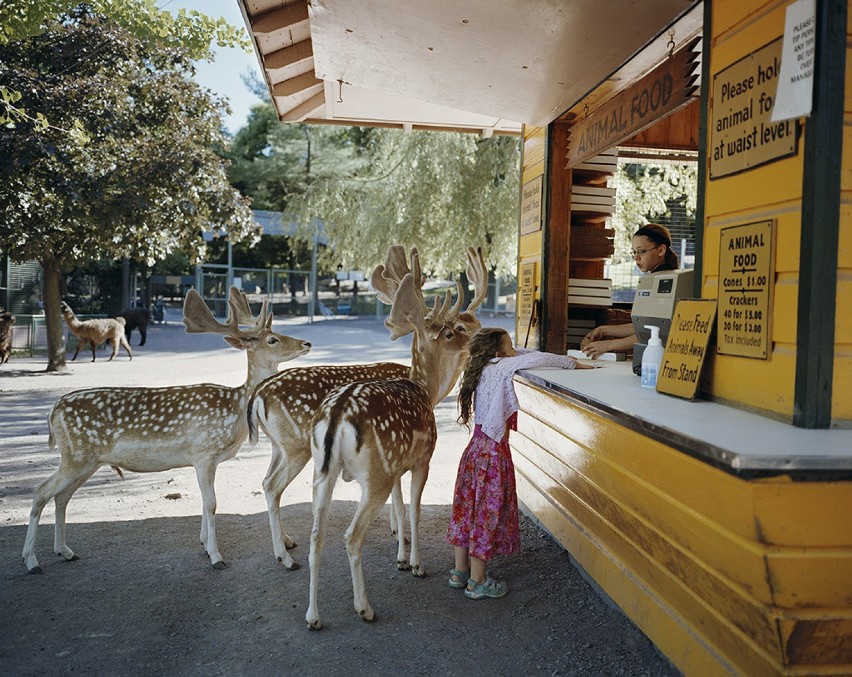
(6, 322)
(96, 332)
(135, 318)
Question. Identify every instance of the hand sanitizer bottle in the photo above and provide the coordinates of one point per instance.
(652, 357)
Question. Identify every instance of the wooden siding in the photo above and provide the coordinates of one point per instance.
(723, 574)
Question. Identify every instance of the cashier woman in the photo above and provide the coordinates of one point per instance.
(652, 252)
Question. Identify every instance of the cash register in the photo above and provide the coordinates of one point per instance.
(654, 304)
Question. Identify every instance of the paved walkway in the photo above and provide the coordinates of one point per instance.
(143, 600)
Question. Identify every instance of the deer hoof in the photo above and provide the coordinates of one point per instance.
(220, 565)
(418, 571)
(289, 543)
(403, 565)
(367, 615)
(315, 625)
(36, 570)
(293, 566)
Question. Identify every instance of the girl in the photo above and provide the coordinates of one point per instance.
(484, 520)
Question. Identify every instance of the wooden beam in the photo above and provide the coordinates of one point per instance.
(300, 83)
(287, 56)
(283, 17)
(823, 166)
(304, 109)
(553, 333)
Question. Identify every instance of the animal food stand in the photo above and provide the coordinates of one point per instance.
(719, 522)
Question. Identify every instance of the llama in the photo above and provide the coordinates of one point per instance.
(95, 332)
(6, 322)
(155, 429)
(374, 432)
(282, 406)
(135, 318)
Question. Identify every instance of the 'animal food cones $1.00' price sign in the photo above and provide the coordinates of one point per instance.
(746, 277)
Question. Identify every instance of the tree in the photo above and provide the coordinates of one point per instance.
(191, 31)
(646, 191)
(440, 191)
(149, 180)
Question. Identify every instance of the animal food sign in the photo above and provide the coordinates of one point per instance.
(746, 281)
(742, 134)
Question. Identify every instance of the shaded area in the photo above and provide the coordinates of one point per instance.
(143, 600)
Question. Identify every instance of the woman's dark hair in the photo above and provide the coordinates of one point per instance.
(483, 345)
(660, 235)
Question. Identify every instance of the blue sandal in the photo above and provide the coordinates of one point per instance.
(488, 589)
(458, 579)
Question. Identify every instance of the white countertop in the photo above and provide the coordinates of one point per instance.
(724, 435)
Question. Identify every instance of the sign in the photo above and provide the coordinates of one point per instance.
(686, 348)
(746, 280)
(742, 136)
(531, 206)
(527, 320)
(794, 96)
(665, 89)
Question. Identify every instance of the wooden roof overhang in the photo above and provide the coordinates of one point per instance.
(482, 65)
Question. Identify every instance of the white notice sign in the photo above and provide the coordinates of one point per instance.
(796, 82)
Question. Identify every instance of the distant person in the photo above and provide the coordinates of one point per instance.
(35, 302)
(484, 519)
(652, 251)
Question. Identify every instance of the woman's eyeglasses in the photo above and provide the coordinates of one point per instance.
(641, 252)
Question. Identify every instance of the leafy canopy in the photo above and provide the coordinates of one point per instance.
(148, 181)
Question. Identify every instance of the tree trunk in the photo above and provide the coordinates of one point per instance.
(53, 318)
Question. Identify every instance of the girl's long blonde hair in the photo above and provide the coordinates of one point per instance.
(483, 346)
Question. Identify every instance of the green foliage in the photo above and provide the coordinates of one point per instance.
(645, 192)
(192, 31)
(146, 183)
(439, 191)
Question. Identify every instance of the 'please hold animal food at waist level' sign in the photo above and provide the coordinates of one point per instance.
(742, 134)
(686, 347)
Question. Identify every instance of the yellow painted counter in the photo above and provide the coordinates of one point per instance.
(724, 535)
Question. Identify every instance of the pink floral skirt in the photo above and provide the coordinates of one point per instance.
(485, 503)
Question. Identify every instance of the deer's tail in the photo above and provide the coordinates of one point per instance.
(256, 411)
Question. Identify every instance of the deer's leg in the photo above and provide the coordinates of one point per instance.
(60, 547)
(419, 476)
(398, 522)
(61, 480)
(125, 344)
(206, 475)
(371, 503)
(283, 468)
(322, 490)
(113, 344)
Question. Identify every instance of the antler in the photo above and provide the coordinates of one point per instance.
(199, 320)
(399, 285)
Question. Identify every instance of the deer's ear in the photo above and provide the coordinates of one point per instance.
(240, 343)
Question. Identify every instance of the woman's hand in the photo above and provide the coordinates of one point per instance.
(597, 348)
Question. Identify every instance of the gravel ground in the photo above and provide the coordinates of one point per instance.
(143, 599)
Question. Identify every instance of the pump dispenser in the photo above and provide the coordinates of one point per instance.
(652, 357)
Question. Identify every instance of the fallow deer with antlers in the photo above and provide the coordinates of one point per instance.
(374, 432)
(283, 405)
(154, 429)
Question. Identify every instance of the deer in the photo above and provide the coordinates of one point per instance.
(6, 322)
(154, 429)
(96, 332)
(283, 405)
(376, 431)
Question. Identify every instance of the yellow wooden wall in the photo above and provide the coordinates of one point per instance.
(772, 191)
(724, 575)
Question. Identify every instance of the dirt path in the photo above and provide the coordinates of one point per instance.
(143, 598)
